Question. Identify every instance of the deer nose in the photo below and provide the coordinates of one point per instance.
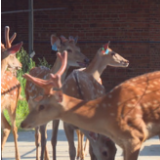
(86, 60)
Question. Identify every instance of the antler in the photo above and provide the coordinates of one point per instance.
(2, 46)
(47, 85)
(63, 59)
(7, 40)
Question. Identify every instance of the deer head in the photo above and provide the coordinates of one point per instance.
(102, 146)
(111, 58)
(75, 57)
(8, 58)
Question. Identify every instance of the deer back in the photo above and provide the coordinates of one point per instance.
(81, 85)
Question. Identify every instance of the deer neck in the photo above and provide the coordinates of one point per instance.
(57, 66)
(80, 113)
(3, 67)
(96, 67)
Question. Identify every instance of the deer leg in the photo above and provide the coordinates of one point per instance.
(131, 155)
(6, 128)
(14, 130)
(86, 146)
(37, 142)
(82, 154)
(131, 151)
(70, 136)
(91, 152)
(79, 143)
(43, 142)
(55, 125)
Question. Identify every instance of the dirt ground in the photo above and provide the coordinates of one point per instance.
(26, 144)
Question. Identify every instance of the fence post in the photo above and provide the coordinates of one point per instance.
(31, 29)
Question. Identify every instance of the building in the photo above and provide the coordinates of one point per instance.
(132, 26)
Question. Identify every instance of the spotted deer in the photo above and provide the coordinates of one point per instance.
(85, 84)
(8, 57)
(129, 114)
(10, 88)
(75, 58)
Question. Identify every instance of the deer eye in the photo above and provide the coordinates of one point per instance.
(41, 107)
(112, 53)
(69, 50)
(105, 153)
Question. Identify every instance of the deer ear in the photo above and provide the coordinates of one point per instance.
(63, 39)
(55, 42)
(71, 39)
(76, 39)
(94, 136)
(14, 49)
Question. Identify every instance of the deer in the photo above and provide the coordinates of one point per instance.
(129, 114)
(84, 84)
(75, 58)
(8, 59)
(10, 88)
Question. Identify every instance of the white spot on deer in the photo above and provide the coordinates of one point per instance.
(155, 101)
(138, 116)
(109, 96)
(30, 84)
(45, 77)
(148, 91)
(97, 105)
(112, 114)
(111, 91)
(145, 105)
(66, 86)
(151, 86)
(133, 100)
(134, 79)
(132, 84)
(157, 93)
(104, 105)
(149, 104)
(130, 105)
(155, 82)
(73, 89)
(109, 105)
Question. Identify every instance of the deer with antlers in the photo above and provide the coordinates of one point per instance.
(10, 88)
(75, 58)
(84, 84)
(9, 60)
(129, 114)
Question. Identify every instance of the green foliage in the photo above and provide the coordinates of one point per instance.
(43, 62)
(27, 63)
